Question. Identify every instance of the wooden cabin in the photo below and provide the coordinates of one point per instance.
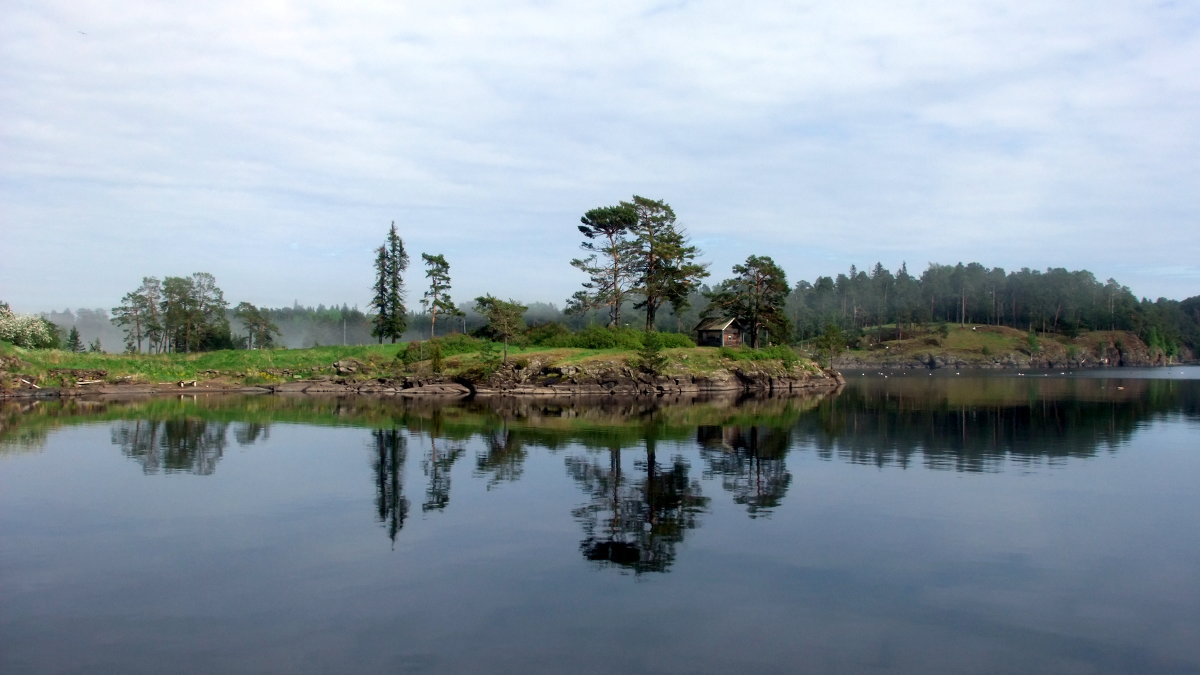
(719, 332)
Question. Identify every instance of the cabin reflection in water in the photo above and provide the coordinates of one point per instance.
(750, 462)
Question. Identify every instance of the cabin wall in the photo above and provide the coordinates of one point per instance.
(731, 337)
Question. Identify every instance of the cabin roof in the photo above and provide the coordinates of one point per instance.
(716, 323)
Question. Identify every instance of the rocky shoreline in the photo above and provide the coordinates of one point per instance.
(1119, 349)
(510, 380)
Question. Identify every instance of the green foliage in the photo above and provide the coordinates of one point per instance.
(189, 315)
(675, 340)
(943, 330)
(260, 330)
(140, 314)
(437, 299)
(27, 331)
(609, 264)
(1054, 300)
(599, 337)
(460, 344)
(1032, 344)
(635, 249)
(545, 334)
(74, 342)
(411, 354)
(434, 351)
(665, 264)
(650, 356)
(830, 343)
(489, 353)
(756, 296)
(435, 357)
(391, 260)
(504, 318)
(782, 353)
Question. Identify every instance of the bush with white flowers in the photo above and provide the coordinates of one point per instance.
(24, 330)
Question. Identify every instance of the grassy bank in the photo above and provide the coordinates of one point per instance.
(462, 357)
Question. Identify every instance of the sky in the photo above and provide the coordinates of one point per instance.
(272, 143)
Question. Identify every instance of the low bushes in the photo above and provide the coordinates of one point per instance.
(598, 337)
(775, 352)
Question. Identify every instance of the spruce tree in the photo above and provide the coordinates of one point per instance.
(74, 342)
(391, 260)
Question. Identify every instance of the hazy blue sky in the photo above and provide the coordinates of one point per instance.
(271, 143)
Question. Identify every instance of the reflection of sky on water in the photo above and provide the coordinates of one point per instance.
(790, 545)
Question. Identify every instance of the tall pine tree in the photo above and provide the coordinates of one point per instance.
(391, 260)
(437, 298)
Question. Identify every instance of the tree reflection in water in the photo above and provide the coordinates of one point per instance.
(635, 516)
(750, 463)
(437, 465)
(174, 445)
(635, 523)
(391, 449)
(503, 459)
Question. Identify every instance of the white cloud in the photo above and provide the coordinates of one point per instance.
(178, 138)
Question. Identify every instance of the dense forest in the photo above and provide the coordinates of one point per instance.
(1053, 301)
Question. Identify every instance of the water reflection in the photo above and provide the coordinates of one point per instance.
(637, 511)
(390, 452)
(177, 445)
(635, 521)
(984, 424)
(750, 462)
(503, 457)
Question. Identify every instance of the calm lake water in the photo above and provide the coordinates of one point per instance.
(913, 523)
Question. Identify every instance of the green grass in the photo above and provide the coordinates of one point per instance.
(51, 367)
(984, 344)
(265, 364)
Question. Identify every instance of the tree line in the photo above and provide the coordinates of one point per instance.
(1052, 301)
(639, 265)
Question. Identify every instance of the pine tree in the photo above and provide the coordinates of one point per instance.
(505, 319)
(436, 300)
(610, 267)
(391, 260)
(379, 300)
(74, 342)
(664, 261)
(756, 297)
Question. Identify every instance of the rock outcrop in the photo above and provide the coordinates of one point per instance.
(619, 379)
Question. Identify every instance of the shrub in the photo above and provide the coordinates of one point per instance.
(1031, 343)
(775, 352)
(435, 356)
(27, 331)
(458, 344)
(650, 356)
(675, 340)
(545, 333)
(599, 337)
(412, 352)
